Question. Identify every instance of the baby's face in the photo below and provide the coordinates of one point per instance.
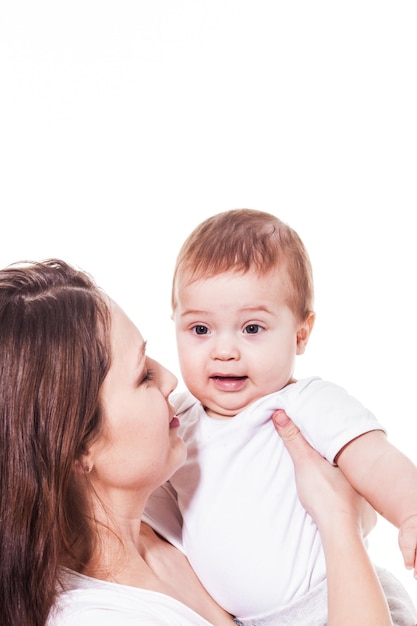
(237, 338)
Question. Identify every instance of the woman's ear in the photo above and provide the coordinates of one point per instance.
(304, 332)
(84, 464)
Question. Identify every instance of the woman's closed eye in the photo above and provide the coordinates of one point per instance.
(147, 376)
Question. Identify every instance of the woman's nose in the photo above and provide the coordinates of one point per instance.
(167, 380)
(170, 382)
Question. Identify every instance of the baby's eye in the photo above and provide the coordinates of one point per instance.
(200, 329)
(252, 329)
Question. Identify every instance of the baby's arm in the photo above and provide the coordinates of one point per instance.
(388, 480)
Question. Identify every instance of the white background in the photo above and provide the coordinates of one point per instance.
(124, 124)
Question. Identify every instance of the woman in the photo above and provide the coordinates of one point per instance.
(87, 434)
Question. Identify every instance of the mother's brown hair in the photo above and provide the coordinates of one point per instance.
(54, 355)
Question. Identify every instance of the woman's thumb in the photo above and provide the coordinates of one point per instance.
(284, 426)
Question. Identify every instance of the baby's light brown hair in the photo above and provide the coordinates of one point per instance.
(246, 239)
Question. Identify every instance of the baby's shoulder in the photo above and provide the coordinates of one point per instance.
(314, 388)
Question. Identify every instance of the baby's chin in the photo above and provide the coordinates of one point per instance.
(226, 396)
(222, 412)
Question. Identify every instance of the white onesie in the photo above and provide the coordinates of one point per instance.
(245, 531)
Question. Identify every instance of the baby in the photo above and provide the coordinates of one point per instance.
(242, 304)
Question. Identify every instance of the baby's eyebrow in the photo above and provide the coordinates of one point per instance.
(256, 307)
(193, 312)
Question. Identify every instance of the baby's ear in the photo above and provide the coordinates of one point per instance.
(304, 332)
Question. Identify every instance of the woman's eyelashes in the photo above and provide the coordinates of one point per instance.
(147, 376)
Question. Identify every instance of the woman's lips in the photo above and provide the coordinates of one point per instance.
(175, 422)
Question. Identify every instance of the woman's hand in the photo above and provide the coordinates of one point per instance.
(322, 488)
(342, 516)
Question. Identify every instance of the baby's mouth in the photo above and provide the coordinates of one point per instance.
(229, 383)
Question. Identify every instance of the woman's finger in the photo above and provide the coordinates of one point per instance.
(286, 428)
(293, 439)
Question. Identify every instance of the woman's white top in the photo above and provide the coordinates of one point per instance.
(87, 601)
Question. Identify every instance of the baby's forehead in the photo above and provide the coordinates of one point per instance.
(276, 279)
(186, 275)
(274, 284)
